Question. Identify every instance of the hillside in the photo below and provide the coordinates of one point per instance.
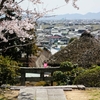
(73, 16)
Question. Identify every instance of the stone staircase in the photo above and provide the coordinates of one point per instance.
(45, 93)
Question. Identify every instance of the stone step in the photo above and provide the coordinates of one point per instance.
(26, 94)
(41, 94)
(66, 87)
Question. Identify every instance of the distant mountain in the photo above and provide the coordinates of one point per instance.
(73, 16)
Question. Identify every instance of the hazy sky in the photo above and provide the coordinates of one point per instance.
(85, 6)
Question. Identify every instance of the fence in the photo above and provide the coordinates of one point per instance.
(41, 71)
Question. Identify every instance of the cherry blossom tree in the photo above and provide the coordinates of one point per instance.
(11, 22)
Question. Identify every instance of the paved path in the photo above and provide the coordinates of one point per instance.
(41, 94)
(45, 93)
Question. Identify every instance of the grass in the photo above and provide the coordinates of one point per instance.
(94, 93)
(7, 94)
(2, 97)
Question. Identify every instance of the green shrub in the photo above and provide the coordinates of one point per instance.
(89, 78)
(8, 70)
(73, 73)
(76, 71)
(67, 76)
(61, 78)
(67, 65)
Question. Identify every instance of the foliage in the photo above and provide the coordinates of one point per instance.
(67, 77)
(73, 73)
(16, 45)
(61, 78)
(8, 70)
(77, 71)
(89, 78)
(14, 52)
(17, 30)
(68, 65)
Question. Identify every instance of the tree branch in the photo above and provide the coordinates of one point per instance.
(1, 4)
(21, 45)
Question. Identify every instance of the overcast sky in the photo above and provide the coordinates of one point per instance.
(85, 6)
